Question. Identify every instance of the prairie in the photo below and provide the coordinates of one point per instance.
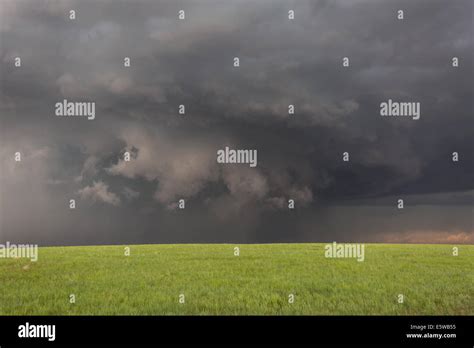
(265, 279)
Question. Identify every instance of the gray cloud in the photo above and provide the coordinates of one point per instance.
(99, 192)
(189, 62)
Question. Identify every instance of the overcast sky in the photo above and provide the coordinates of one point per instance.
(282, 62)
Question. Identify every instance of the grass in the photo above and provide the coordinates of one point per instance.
(258, 282)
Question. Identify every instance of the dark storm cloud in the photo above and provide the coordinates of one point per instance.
(300, 157)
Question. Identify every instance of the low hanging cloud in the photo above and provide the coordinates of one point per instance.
(184, 169)
(130, 194)
(179, 173)
(99, 192)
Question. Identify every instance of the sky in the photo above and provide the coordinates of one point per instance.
(300, 156)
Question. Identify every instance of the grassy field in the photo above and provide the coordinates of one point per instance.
(259, 281)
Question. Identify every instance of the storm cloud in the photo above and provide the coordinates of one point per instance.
(190, 62)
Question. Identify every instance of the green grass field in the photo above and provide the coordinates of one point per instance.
(257, 282)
